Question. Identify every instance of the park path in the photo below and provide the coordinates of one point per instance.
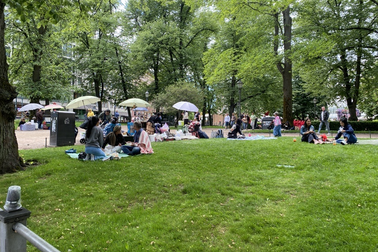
(40, 138)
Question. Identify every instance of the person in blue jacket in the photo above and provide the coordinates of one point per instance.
(347, 132)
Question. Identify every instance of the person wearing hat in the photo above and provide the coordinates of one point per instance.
(90, 113)
(277, 125)
(105, 117)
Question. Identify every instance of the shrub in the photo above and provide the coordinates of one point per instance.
(357, 126)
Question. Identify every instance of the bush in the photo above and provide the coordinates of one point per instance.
(357, 126)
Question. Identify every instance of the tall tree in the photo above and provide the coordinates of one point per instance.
(9, 158)
(37, 66)
(338, 47)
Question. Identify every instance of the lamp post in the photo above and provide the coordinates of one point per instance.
(147, 94)
(240, 85)
(314, 100)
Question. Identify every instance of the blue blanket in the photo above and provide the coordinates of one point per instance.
(76, 155)
(257, 137)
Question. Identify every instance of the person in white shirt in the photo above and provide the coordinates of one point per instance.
(227, 121)
(185, 116)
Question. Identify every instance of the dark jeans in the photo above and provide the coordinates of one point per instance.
(309, 137)
(351, 138)
(40, 124)
(130, 150)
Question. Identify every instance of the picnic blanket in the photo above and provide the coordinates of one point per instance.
(76, 155)
(257, 137)
(373, 142)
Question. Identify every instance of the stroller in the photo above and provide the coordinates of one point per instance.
(84, 125)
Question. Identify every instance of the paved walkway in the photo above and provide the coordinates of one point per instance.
(40, 138)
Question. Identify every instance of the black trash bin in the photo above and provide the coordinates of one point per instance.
(62, 129)
(266, 121)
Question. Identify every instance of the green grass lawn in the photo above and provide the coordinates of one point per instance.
(206, 195)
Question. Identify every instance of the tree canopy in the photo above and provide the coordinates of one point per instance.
(286, 53)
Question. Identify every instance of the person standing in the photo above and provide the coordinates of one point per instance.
(253, 118)
(245, 121)
(233, 119)
(185, 116)
(324, 115)
(197, 116)
(277, 125)
(226, 121)
(116, 114)
(39, 116)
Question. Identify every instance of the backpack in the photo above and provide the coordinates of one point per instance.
(82, 156)
(219, 134)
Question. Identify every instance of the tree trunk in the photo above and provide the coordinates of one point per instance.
(97, 83)
(288, 74)
(123, 81)
(232, 98)
(285, 68)
(352, 105)
(156, 73)
(9, 158)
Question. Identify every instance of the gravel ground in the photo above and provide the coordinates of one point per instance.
(40, 138)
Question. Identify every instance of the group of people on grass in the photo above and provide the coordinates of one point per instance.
(345, 135)
(96, 142)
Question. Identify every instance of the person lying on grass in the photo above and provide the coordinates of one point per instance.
(94, 138)
(114, 138)
(308, 133)
(141, 144)
(347, 132)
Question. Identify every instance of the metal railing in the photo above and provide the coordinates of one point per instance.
(33, 238)
(13, 230)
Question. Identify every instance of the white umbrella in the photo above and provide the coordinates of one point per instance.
(52, 106)
(135, 102)
(82, 101)
(186, 106)
(31, 106)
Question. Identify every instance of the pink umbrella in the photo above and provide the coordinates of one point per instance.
(52, 106)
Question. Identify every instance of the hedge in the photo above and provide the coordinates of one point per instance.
(357, 126)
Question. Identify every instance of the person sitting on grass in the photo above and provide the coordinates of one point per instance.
(347, 132)
(308, 133)
(114, 138)
(94, 139)
(110, 126)
(141, 144)
(235, 129)
(22, 121)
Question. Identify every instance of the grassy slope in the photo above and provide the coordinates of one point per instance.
(206, 195)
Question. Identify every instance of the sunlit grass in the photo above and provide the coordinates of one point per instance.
(206, 195)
